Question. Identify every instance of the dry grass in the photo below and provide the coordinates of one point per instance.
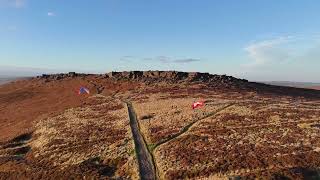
(258, 138)
(304, 125)
(95, 136)
(167, 117)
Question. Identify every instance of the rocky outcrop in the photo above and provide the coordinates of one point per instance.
(160, 76)
(174, 77)
(60, 76)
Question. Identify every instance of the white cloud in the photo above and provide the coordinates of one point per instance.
(281, 50)
(51, 14)
(268, 51)
(284, 58)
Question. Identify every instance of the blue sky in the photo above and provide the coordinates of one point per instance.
(257, 40)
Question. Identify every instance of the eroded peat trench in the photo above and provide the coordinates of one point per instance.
(147, 168)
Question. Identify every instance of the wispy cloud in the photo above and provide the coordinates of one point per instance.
(188, 60)
(161, 59)
(267, 51)
(165, 59)
(280, 50)
(127, 58)
(294, 58)
(51, 14)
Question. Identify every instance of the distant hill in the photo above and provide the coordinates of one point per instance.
(309, 85)
(4, 79)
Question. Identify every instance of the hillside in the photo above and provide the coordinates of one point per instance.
(245, 129)
(176, 78)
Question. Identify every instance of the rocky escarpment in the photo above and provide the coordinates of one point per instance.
(61, 76)
(175, 77)
(152, 77)
(155, 76)
(170, 77)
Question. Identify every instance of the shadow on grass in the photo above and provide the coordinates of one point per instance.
(96, 165)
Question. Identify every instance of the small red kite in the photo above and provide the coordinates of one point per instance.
(197, 104)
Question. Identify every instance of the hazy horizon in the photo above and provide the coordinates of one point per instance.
(259, 41)
(20, 72)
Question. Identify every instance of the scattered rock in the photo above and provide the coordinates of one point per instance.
(56, 77)
(176, 77)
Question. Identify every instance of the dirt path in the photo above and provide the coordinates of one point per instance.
(146, 166)
(187, 127)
